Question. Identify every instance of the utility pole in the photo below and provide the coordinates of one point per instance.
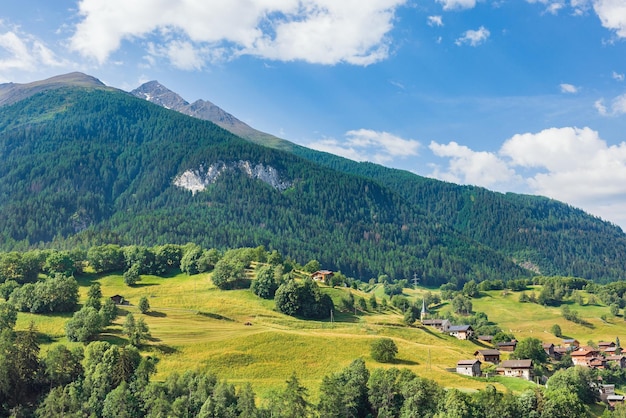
(415, 280)
(331, 318)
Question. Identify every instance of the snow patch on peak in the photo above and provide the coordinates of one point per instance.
(197, 180)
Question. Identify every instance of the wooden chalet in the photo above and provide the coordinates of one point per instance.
(485, 338)
(559, 352)
(322, 275)
(618, 359)
(508, 346)
(604, 345)
(468, 367)
(442, 325)
(517, 368)
(571, 343)
(583, 357)
(461, 332)
(597, 363)
(119, 300)
(613, 400)
(488, 356)
(549, 349)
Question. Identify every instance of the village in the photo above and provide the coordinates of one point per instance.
(600, 357)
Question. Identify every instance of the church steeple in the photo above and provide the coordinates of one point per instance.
(424, 312)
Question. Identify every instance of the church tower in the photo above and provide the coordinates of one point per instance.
(424, 312)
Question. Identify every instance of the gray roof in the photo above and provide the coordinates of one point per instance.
(467, 362)
(516, 364)
(456, 328)
(488, 352)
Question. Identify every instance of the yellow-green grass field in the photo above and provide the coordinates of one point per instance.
(199, 327)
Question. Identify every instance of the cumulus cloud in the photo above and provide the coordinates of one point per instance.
(551, 6)
(466, 166)
(568, 88)
(457, 4)
(474, 37)
(573, 165)
(369, 145)
(617, 106)
(316, 31)
(23, 52)
(435, 21)
(612, 14)
(618, 76)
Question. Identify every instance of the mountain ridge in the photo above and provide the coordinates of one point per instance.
(118, 158)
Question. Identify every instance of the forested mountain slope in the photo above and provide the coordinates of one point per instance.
(91, 165)
(545, 235)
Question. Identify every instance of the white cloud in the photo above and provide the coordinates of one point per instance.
(22, 52)
(369, 145)
(552, 6)
(568, 88)
(474, 37)
(457, 4)
(316, 31)
(471, 167)
(435, 21)
(616, 108)
(618, 76)
(573, 165)
(612, 14)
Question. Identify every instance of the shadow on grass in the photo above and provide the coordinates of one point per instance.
(479, 343)
(139, 285)
(156, 314)
(215, 316)
(162, 348)
(403, 362)
(434, 334)
(113, 339)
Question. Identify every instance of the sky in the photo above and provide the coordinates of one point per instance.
(524, 96)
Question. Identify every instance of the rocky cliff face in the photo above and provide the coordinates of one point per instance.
(197, 180)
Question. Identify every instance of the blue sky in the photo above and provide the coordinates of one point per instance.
(527, 96)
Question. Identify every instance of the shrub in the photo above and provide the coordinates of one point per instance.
(384, 350)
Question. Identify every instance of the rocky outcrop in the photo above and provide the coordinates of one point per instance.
(197, 180)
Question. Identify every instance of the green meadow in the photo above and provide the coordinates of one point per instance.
(241, 338)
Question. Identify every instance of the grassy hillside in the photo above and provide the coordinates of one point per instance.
(197, 326)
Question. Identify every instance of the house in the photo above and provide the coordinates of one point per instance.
(597, 363)
(619, 360)
(517, 368)
(486, 338)
(489, 356)
(582, 357)
(461, 332)
(612, 351)
(606, 391)
(119, 300)
(549, 349)
(571, 343)
(508, 346)
(604, 345)
(613, 400)
(322, 275)
(559, 352)
(441, 325)
(468, 367)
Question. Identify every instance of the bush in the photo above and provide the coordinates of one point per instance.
(556, 330)
(384, 350)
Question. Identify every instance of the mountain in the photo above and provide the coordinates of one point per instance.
(155, 92)
(85, 165)
(14, 92)
(544, 235)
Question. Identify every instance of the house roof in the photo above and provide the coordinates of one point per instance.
(569, 341)
(616, 398)
(323, 272)
(547, 345)
(615, 358)
(433, 321)
(467, 362)
(457, 328)
(583, 353)
(606, 344)
(517, 364)
(485, 337)
(488, 352)
(506, 343)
